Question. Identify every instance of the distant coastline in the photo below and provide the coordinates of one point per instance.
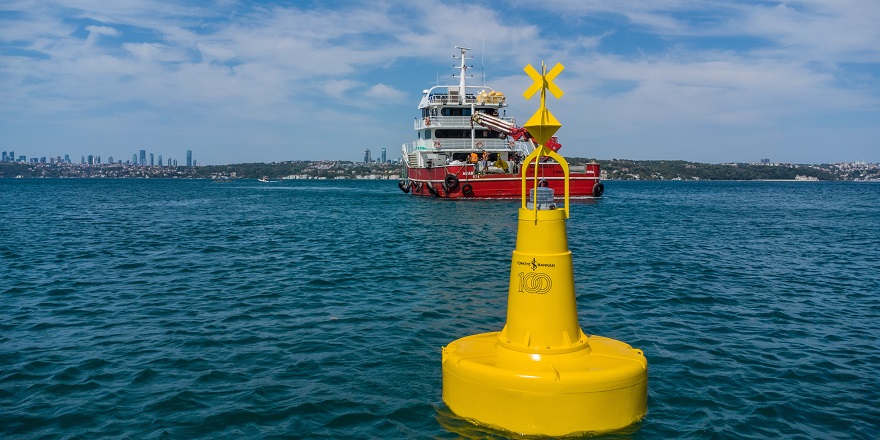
(614, 169)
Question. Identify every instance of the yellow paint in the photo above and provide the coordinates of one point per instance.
(543, 81)
(542, 125)
(541, 374)
(597, 390)
(535, 156)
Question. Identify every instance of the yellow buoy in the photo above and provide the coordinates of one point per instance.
(541, 375)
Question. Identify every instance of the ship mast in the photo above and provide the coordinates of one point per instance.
(462, 73)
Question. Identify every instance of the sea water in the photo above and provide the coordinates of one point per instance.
(317, 309)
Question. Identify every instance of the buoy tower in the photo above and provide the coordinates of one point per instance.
(541, 374)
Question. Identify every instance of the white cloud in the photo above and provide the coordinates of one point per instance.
(339, 88)
(101, 30)
(385, 93)
(292, 69)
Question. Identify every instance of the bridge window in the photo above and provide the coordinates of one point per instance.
(455, 111)
(453, 134)
(466, 134)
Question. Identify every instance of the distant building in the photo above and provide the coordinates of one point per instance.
(160, 160)
(152, 160)
(384, 159)
(143, 159)
(367, 157)
(765, 161)
(134, 159)
(189, 158)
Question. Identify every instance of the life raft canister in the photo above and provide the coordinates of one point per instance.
(403, 185)
(467, 189)
(451, 182)
(543, 183)
(598, 189)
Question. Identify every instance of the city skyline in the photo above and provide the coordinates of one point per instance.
(714, 81)
(138, 158)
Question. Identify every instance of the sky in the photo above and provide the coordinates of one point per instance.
(239, 81)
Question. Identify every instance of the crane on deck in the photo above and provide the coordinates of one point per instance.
(508, 128)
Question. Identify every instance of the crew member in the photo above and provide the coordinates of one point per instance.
(500, 163)
(474, 159)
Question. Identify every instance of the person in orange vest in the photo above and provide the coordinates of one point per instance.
(474, 159)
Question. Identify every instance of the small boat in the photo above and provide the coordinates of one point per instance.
(264, 179)
(465, 149)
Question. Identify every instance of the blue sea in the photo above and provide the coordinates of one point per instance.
(182, 309)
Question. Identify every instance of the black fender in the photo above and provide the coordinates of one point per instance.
(451, 182)
(433, 190)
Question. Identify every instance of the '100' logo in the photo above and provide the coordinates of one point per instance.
(534, 282)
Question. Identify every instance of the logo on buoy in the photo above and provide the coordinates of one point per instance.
(534, 264)
(534, 282)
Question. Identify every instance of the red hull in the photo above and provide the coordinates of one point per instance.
(423, 180)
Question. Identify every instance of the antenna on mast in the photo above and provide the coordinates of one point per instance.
(482, 53)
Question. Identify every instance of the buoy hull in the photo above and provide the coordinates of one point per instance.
(602, 388)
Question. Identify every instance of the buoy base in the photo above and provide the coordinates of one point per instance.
(603, 387)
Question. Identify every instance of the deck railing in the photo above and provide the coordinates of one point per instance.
(466, 145)
(449, 122)
(442, 99)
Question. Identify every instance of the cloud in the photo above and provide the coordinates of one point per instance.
(633, 68)
(339, 88)
(385, 93)
(101, 30)
(817, 31)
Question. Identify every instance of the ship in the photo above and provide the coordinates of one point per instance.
(466, 147)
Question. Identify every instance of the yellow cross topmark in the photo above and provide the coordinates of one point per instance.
(543, 80)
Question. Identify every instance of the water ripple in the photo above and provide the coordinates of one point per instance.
(186, 309)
